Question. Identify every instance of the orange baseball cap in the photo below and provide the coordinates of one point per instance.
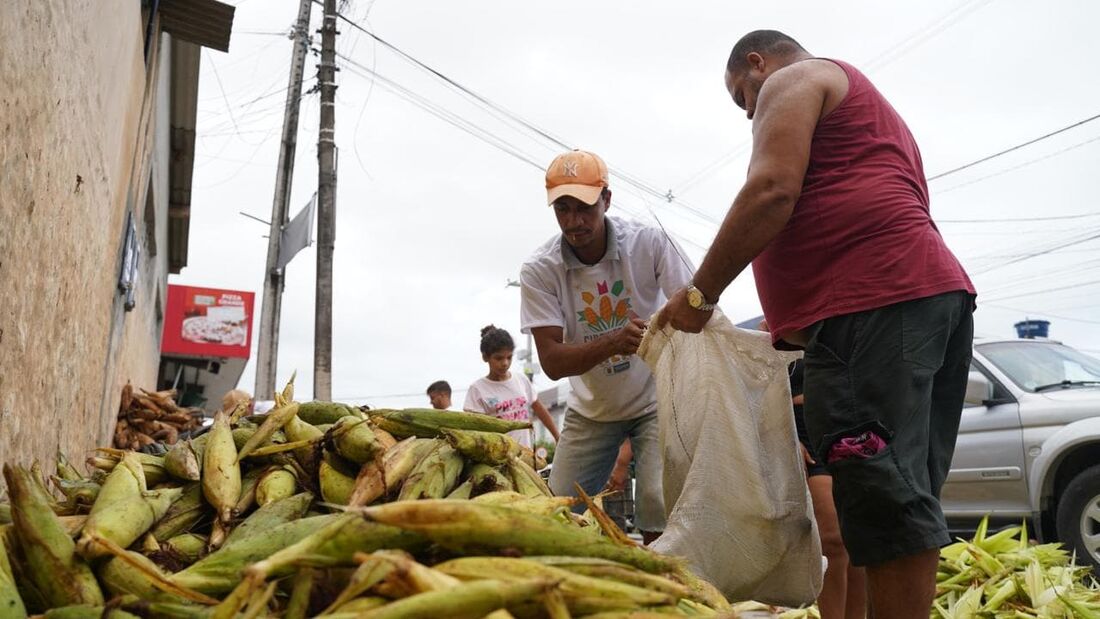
(578, 173)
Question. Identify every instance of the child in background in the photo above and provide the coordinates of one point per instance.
(504, 394)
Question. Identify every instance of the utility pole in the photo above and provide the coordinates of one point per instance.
(272, 303)
(326, 208)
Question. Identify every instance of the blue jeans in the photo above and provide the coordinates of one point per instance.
(586, 455)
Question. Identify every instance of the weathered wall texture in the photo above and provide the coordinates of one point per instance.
(75, 137)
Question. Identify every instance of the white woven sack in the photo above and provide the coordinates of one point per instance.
(735, 487)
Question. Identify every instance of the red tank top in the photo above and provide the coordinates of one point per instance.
(861, 235)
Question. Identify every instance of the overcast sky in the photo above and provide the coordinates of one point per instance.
(433, 222)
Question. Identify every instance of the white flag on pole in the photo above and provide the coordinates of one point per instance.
(297, 234)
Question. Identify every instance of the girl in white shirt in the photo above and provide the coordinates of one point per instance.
(504, 394)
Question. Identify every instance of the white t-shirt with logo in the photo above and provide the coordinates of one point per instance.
(639, 271)
(509, 399)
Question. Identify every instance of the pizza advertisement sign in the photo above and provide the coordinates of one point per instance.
(208, 322)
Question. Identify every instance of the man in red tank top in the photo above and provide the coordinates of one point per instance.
(834, 218)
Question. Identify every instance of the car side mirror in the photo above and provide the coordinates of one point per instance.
(978, 389)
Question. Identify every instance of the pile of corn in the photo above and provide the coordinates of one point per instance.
(1003, 575)
(152, 417)
(318, 509)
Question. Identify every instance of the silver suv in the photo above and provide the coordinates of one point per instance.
(1029, 443)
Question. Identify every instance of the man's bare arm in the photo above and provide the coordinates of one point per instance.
(560, 360)
(789, 107)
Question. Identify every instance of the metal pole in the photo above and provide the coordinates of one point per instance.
(267, 356)
(326, 208)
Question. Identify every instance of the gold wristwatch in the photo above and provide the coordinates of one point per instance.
(697, 300)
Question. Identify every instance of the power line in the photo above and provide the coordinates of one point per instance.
(1015, 220)
(1036, 313)
(1013, 148)
(1089, 236)
(1021, 165)
(1045, 290)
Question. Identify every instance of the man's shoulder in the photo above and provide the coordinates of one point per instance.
(633, 234)
(546, 255)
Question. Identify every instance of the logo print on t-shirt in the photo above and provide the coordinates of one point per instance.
(604, 312)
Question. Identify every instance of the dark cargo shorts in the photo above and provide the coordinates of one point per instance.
(900, 372)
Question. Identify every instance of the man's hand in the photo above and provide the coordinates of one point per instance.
(617, 481)
(626, 340)
(682, 316)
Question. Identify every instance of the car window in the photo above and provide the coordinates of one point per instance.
(1032, 364)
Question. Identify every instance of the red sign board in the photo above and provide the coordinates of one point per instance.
(208, 322)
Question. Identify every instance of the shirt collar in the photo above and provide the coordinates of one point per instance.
(570, 259)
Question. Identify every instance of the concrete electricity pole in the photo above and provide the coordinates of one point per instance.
(271, 307)
(326, 208)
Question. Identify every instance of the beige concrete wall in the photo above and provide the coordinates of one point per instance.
(72, 94)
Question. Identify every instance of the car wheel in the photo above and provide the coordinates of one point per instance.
(1078, 518)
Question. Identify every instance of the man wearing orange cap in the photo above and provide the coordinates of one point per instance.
(582, 294)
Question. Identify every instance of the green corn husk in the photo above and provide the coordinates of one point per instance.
(79, 493)
(544, 505)
(298, 605)
(618, 572)
(186, 548)
(375, 480)
(490, 448)
(242, 434)
(5, 513)
(296, 431)
(472, 528)
(166, 610)
(276, 484)
(335, 544)
(183, 515)
(124, 521)
(152, 466)
(526, 480)
(276, 419)
(65, 469)
(428, 422)
(184, 459)
(487, 479)
(353, 608)
(220, 571)
(272, 515)
(250, 481)
(337, 479)
(321, 413)
(435, 476)
(221, 471)
(372, 570)
(462, 492)
(85, 611)
(54, 569)
(583, 594)
(472, 600)
(33, 598)
(354, 440)
(122, 577)
(11, 603)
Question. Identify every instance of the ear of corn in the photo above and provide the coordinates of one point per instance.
(354, 440)
(183, 514)
(371, 571)
(526, 480)
(124, 521)
(337, 479)
(272, 515)
(374, 481)
(435, 476)
(298, 430)
(186, 548)
(469, 527)
(319, 413)
(276, 484)
(130, 575)
(11, 603)
(87, 611)
(490, 448)
(471, 600)
(583, 594)
(275, 420)
(428, 422)
(184, 459)
(462, 492)
(221, 473)
(52, 565)
(65, 470)
(488, 479)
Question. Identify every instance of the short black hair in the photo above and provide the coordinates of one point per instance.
(439, 386)
(761, 42)
(495, 340)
